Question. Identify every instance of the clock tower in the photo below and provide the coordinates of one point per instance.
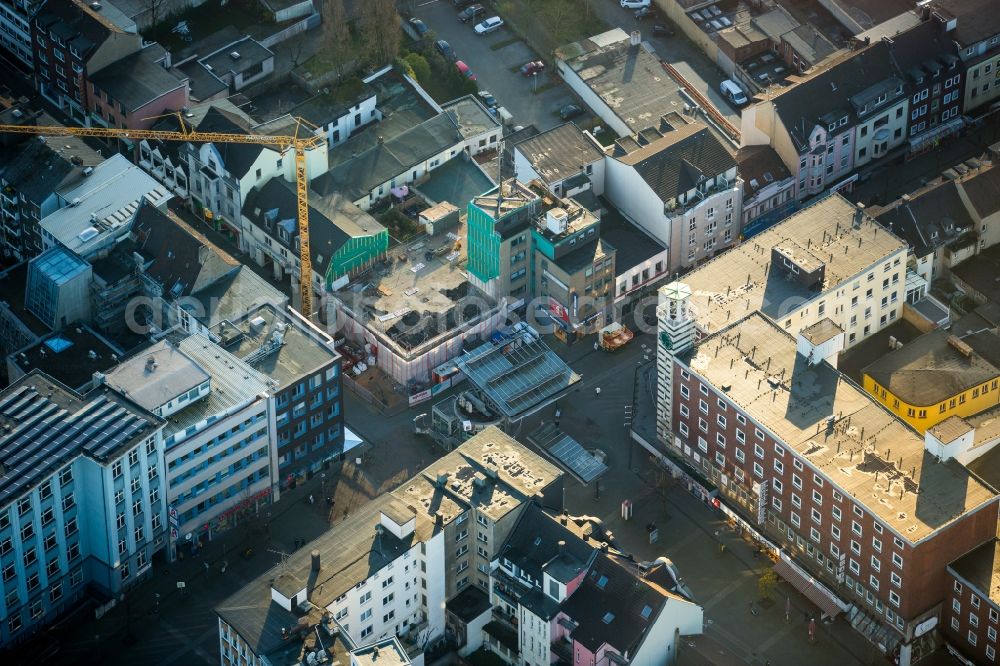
(675, 335)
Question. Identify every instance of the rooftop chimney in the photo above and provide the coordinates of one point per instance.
(562, 545)
(315, 559)
(635, 38)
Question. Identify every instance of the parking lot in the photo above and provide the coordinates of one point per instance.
(498, 70)
(683, 54)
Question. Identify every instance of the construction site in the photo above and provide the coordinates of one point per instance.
(416, 309)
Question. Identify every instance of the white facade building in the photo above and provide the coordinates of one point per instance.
(827, 261)
(683, 190)
(220, 458)
(82, 504)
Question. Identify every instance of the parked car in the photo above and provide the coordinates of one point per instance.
(733, 93)
(492, 24)
(570, 111)
(533, 67)
(662, 31)
(635, 4)
(444, 48)
(464, 70)
(644, 14)
(461, 3)
(487, 98)
(419, 26)
(469, 13)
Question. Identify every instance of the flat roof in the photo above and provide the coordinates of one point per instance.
(350, 550)
(470, 116)
(491, 471)
(742, 278)
(987, 426)
(513, 195)
(981, 567)
(632, 246)
(936, 366)
(47, 425)
(629, 79)
(518, 375)
(407, 300)
(469, 604)
(234, 383)
(823, 330)
(386, 652)
(250, 53)
(302, 350)
(841, 430)
(71, 356)
(457, 182)
(950, 429)
(980, 272)
(156, 375)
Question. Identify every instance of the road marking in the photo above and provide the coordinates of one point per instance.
(725, 592)
(431, 2)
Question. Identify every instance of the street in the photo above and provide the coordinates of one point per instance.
(163, 624)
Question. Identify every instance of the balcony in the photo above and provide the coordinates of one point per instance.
(505, 592)
(563, 650)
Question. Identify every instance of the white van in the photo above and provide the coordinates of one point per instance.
(732, 92)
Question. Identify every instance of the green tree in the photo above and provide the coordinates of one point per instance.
(403, 66)
(766, 583)
(419, 66)
(381, 31)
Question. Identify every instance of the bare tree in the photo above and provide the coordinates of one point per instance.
(154, 15)
(380, 27)
(336, 34)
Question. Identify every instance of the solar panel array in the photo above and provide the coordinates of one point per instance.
(517, 374)
(40, 435)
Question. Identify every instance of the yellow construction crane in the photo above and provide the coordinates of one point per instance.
(300, 144)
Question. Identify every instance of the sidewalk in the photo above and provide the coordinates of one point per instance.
(723, 582)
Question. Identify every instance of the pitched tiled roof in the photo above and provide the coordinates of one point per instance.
(983, 191)
(136, 80)
(677, 162)
(560, 152)
(928, 220)
(333, 219)
(237, 157)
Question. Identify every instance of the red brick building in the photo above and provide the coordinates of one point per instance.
(845, 490)
(971, 616)
(71, 40)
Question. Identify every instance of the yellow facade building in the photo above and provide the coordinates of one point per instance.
(937, 376)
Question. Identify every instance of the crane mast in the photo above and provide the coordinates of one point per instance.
(298, 144)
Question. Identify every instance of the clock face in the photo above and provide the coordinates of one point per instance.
(665, 341)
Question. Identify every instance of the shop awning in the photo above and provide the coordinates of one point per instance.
(811, 588)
